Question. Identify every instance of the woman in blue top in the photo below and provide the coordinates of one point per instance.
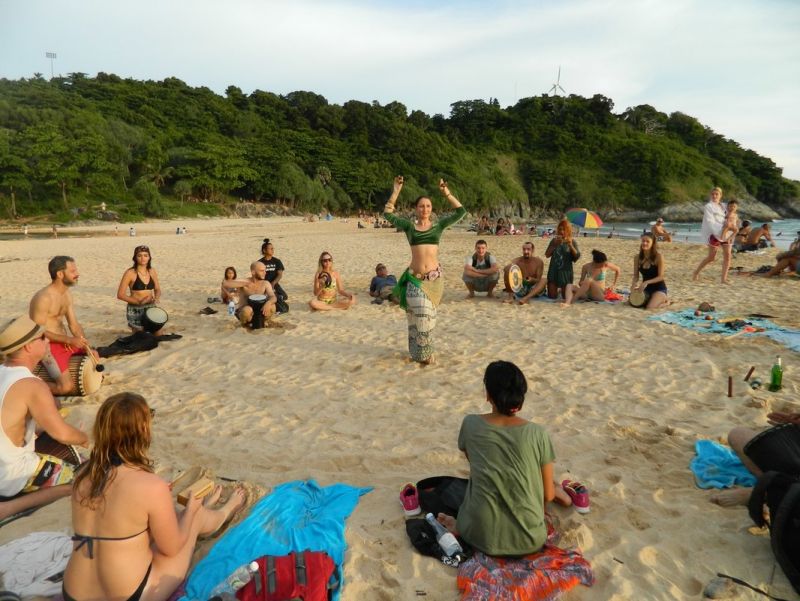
(421, 287)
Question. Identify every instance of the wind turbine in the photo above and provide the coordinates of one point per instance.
(557, 85)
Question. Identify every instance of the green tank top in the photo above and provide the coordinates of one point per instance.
(430, 236)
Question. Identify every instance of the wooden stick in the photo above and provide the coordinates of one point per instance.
(730, 386)
(749, 373)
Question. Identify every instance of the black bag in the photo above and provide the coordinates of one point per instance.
(781, 493)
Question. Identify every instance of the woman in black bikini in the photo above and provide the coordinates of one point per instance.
(129, 543)
(139, 287)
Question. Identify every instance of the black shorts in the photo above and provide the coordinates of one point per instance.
(776, 449)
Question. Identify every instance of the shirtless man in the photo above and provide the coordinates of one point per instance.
(49, 307)
(255, 284)
(532, 268)
(659, 232)
(754, 239)
(26, 404)
(776, 448)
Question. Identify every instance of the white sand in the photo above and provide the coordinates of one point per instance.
(335, 399)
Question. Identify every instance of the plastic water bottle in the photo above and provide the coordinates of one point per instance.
(447, 541)
(231, 307)
(240, 576)
(776, 376)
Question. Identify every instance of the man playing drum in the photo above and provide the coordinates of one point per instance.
(49, 307)
(532, 268)
(254, 285)
(26, 404)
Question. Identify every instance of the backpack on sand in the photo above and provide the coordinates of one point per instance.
(781, 493)
(306, 576)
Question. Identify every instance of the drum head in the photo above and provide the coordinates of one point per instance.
(89, 380)
(637, 298)
(156, 315)
(257, 298)
(513, 278)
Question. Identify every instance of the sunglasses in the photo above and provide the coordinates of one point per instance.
(141, 248)
(327, 259)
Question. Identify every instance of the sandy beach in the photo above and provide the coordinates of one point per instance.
(335, 398)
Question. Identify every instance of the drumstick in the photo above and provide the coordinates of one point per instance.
(99, 367)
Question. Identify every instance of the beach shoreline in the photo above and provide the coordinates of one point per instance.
(335, 399)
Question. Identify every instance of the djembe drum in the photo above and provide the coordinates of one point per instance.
(256, 302)
(82, 371)
(154, 319)
(638, 298)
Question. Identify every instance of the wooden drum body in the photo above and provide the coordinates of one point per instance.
(638, 298)
(256, 303)
(85, 378)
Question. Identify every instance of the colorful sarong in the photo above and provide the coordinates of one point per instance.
(536, 577)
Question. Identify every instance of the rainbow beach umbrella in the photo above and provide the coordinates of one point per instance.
(584, 218)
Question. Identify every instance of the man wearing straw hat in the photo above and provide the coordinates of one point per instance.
(49, 307)
(25, 404)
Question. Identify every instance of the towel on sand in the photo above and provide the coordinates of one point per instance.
(27, 562)
(717, 466)
(294, 517)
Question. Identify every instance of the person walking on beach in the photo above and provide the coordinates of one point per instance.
(421, 286)
(710, 233)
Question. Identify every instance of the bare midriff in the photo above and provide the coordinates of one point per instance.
(424, 258)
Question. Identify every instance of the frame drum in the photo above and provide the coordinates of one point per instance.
(85, 378)
(513, 278)
(154, 319)
(638, 298)
(256, 303)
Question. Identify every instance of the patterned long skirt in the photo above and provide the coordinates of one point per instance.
(421, 314)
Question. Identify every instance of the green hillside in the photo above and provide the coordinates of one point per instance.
(163, 148)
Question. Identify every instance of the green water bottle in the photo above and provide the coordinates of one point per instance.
(776, 377)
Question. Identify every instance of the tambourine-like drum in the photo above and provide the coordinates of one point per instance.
(84, 376)
(638, 298)
(513, 278)
(256, 303)
(154, 319)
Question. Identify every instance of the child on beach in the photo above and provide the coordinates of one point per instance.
(731, 226)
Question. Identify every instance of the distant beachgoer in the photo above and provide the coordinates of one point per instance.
(759, 238)
(132, 231)
(129, 541)
(139, 288)
(592, 283)
(649, 263)
(776, 448)
(421, 286)
(660, 233)
(55, 231)
(787, 260)
(382, 285)
(501, 229)
(229, 293)
(25, 230)
(484, 227)
(510, 471)
(710, 232)
(275, 270)
(328, 286)
(481, 271)
(740, 240)
(563, 252)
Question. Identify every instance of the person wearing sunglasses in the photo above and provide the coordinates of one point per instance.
(328, 287)
(139, 287)
(421, 287)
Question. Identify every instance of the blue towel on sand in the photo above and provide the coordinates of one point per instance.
(686, 318)
(294, 517)
(717, 466)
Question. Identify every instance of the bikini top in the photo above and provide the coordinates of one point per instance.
(89, 540)
(600, 277)
(429, 236)
(138, 284)
(648, 273)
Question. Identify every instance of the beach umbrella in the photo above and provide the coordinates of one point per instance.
(584, 218)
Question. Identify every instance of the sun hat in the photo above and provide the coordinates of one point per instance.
(17, 333)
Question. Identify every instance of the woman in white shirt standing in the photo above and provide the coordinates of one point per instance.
(710, 232)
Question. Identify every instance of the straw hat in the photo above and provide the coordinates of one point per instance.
(17, 333)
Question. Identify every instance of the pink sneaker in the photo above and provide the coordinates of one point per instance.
(409, 499)
(579, 495)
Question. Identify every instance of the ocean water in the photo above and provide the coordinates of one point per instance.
(783, 231)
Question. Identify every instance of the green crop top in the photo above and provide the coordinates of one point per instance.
(430, 236)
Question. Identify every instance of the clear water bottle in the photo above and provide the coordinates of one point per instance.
(447, 541)
(231, 307)
(776, 376)
(240, 576)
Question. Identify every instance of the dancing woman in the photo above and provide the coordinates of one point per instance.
(421, 287)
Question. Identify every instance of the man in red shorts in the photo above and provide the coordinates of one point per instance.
(49, 307)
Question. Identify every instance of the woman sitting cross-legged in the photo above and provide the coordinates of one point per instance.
(328, 286)
(129, 541)
(593, 282)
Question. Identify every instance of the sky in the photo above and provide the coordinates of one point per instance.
(732, 64)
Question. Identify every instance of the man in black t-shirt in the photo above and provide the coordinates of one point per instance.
(274, 268)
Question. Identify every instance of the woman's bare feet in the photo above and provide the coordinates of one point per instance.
(217, 518)
(732, 497)
(212, 498)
